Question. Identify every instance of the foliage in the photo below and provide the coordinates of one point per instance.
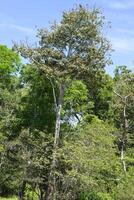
(124, 87)
(90, 160)
(9, 198)
(75, 101)
(62, 116)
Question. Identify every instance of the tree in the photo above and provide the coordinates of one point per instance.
(73, 49)
(124, 84)
(75, 102)
(9, 65)
(27, 132)
(36, 100)
(90, 160)
(102, 97)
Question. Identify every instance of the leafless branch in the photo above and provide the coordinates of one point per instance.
(54, 93)
(118, 95)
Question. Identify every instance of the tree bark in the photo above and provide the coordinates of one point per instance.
(22, 190)
(125, 127)
(52, 187)
(41, 195)
(124, 135)
(122, 159)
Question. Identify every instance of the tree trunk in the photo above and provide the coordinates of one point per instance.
(124, 135)
(41, 195)
(122, 156)
(125, 129)
(52, 187)
(22, 190)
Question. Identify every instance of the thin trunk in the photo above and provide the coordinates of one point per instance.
(52, 187)
(22, 190)
(122, 158)
(41, 195)
(125, 127)
(124, 136)
(41, 191)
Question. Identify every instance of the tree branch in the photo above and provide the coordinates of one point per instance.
(54, 94)
(118, 95)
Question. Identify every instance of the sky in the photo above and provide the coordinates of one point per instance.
(19, 19)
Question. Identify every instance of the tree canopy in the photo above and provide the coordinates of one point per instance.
(66, 126)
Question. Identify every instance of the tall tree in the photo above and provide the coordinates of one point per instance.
(9, 65)
(91, 163)
(124, 84)
(73, 49)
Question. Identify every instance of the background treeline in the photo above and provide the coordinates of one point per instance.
(66, 127)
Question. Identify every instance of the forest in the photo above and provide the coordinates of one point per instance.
(66, 125)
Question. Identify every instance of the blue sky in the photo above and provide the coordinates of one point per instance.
(20, 19)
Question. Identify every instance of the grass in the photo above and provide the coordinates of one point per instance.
(9, 198)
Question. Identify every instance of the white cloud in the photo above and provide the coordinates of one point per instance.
(121, 5)
(125, 31)
(117, 5)
(2, 25)
(124, 45)
(17, 27)
(21, 28)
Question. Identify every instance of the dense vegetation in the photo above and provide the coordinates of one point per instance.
(66, 126)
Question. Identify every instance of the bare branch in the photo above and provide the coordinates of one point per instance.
(54, 94)
(118, 95)
(127, 96)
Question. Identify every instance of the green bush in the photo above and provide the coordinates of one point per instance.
(9, 198)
